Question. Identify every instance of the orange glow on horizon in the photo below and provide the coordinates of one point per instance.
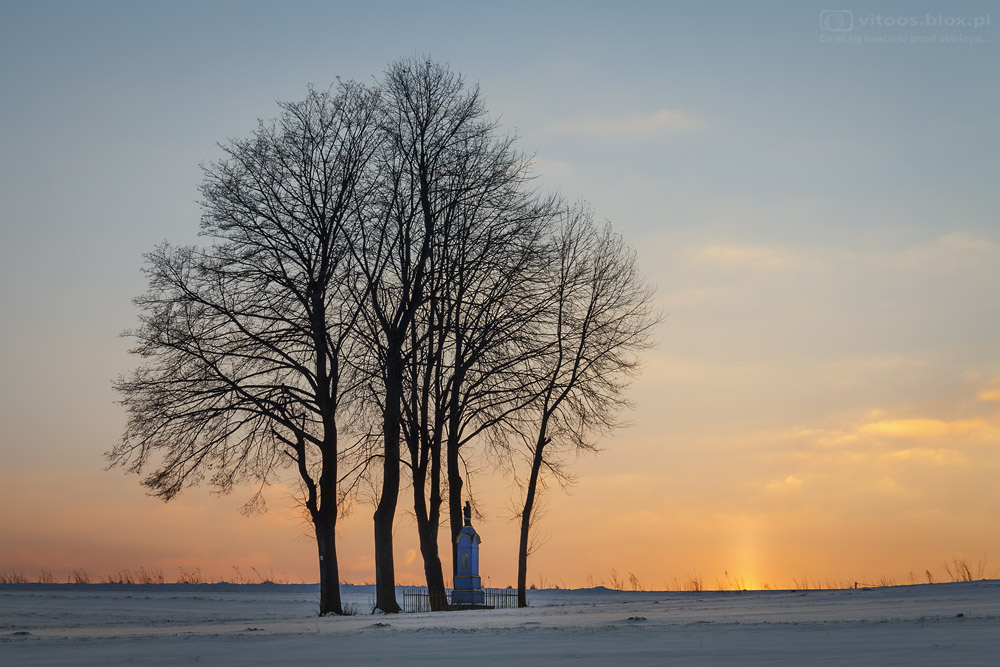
(889, 502)
(803, 526)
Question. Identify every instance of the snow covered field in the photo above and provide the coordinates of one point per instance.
(221, 624)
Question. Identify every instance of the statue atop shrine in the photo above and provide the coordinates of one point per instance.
(468, 591)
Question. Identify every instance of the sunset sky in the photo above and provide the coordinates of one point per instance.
(816, 197)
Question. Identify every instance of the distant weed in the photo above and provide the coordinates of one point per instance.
(961, 569)
(13, 577)
(140, 576)
(79, 577)
(190, 576)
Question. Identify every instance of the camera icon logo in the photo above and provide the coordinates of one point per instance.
(836, 20)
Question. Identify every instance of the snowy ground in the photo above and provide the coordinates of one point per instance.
(943, 624)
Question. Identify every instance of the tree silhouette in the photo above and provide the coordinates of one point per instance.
(598, 319)
(244, 343)
(380, 274)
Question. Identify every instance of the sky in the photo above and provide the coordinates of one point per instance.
(811, 186)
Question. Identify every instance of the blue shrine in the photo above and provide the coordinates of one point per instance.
(468, 591)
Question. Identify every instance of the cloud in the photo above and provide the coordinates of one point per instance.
(664, 121)
(692, 296)
(953, 252)
(787, 484)
(989, 396)
(746, 257)
(927, 455)
(923, 428)
(888, 485)
(833, 439)
(559, 171)
(882, 456)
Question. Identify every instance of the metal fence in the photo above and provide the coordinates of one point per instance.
(501, 598)
(418, 599)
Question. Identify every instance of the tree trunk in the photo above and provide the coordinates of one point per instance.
(427, 526)
(385, 571)
(455, 513)
(529, 505)
(435, 578)
(329, 572)
(324, 508)
(432, 564)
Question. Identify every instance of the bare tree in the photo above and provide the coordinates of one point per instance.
(600, 318)
(483, 260)
(495, 295)
(428, 121)
(448, 252)
(245, 343)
